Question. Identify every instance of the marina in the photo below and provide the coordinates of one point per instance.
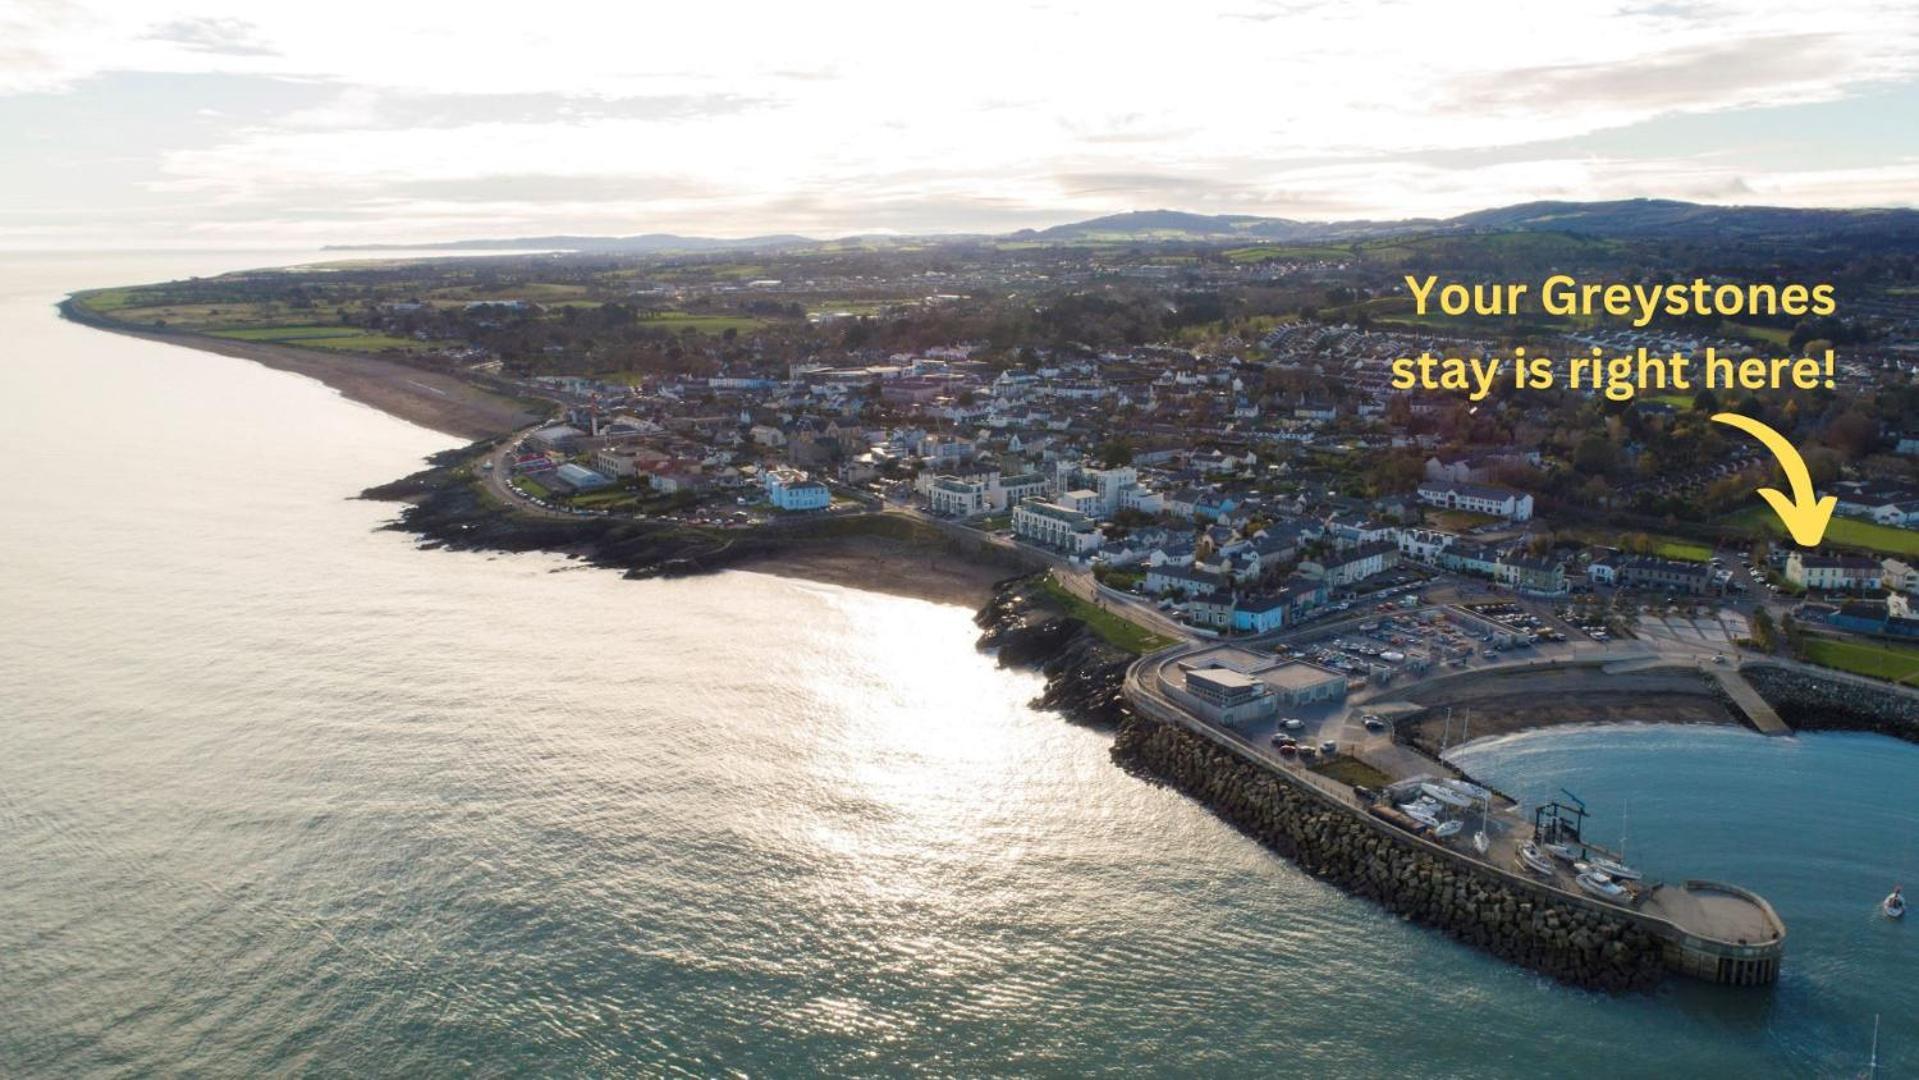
(1706, 929)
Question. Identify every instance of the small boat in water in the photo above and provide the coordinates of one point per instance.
(1535, 860)
(1894, 905)
(1444, 794)
(1598, 883)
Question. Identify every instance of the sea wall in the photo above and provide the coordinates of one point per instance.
(1571, 943)
(1810, 702)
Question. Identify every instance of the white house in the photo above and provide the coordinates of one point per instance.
(790, 489)
(1477, 498)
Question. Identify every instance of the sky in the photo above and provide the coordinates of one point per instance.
(220, 123)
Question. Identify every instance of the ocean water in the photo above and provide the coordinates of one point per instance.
(280, 793)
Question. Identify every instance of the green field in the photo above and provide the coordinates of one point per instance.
(1894, 662)
(1843, 532)
(1683, 550)
(1115, 631)
(678, 321)
(342, 338)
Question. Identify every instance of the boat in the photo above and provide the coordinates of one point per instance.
(1535, 860)
(1894, 905)
(1470, 790)
(1444, 794)
(1597, 883)
(1448, 828)
(1481, 842)
(1563, 852)
(1420, 812)
(1615, 869)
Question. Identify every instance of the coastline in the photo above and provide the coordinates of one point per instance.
(1507, 704)
(431, 399)
(882, 560)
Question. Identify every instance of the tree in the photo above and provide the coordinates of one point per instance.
(1764, 634)
(1115, 452)
(1705, 401)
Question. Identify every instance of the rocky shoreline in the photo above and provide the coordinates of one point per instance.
(446, 508)
(1811, 703)
(1085, 676)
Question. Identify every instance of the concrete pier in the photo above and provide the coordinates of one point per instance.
(1764, 718)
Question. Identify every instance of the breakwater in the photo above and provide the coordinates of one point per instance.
(1573, 943)
(1810, 702)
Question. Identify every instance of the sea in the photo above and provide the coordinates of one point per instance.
(281, 793)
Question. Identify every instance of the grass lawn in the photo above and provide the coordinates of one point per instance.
(532, 487)
(1894, 662)
(1683, 550)
(343, 338)
(1115, 631)
(1844, 532)
(1458, 520)
(1348, 770)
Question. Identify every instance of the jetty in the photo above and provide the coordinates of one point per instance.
(1351, 834)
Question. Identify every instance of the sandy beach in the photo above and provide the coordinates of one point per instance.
(431, 399)
(890, 566)
(1524, 701)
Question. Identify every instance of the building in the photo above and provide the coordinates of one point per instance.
(1546, 576)
(1665, 575)
(1183, 580)
(1055, 526)
(1260, 614)
(958, 498)
(789, 489)
(1346, 567)
(560, 437)
(1833, 573)
(1477, 498)
(1226, 696)
(570, 478)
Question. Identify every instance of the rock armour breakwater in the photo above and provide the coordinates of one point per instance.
(1572, 944)
(1811, 703)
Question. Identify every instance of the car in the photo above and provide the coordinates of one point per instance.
(1374, 723)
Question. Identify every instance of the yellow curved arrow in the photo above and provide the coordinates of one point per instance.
(1806, 515)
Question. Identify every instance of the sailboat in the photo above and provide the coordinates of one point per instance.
(1481, 842)
(1535, 860)
(1894, 905)
(1600, 884)
(1617, 868)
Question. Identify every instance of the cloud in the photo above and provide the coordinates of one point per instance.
(718, 118)
(232, 37)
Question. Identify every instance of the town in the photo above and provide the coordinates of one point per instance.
(1212, 431)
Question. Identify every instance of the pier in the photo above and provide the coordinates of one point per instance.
(1702, 929)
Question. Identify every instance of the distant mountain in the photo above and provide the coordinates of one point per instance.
(644, 244)
(1638, 218)
(1149, 225)
(1620, 219)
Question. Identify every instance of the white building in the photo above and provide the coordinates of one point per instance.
(1055, 526)
(790, 489)
(1477, 498)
